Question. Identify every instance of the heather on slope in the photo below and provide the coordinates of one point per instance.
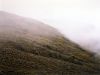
(29, 47)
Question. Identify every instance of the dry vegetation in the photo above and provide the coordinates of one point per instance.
(28, 47)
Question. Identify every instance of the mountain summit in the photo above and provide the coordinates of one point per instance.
(29, 47)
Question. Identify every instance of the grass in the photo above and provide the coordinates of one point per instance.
(28, 47)
(46, 56)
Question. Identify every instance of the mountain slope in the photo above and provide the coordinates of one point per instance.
(29, 47)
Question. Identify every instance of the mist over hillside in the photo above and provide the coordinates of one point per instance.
(78, 20)
(30, 47)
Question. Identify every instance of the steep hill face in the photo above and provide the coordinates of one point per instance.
(29, 47)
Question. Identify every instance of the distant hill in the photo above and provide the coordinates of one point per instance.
(29, 47)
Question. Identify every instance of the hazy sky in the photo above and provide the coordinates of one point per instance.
(77, 19)
(0, 5)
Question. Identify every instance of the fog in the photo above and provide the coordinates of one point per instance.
(0, 5)
(76, 19)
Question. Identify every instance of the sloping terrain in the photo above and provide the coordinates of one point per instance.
(29, 47)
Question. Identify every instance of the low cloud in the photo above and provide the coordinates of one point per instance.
(76, 19)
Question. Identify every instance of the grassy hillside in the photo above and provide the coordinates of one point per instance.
(28, 47)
